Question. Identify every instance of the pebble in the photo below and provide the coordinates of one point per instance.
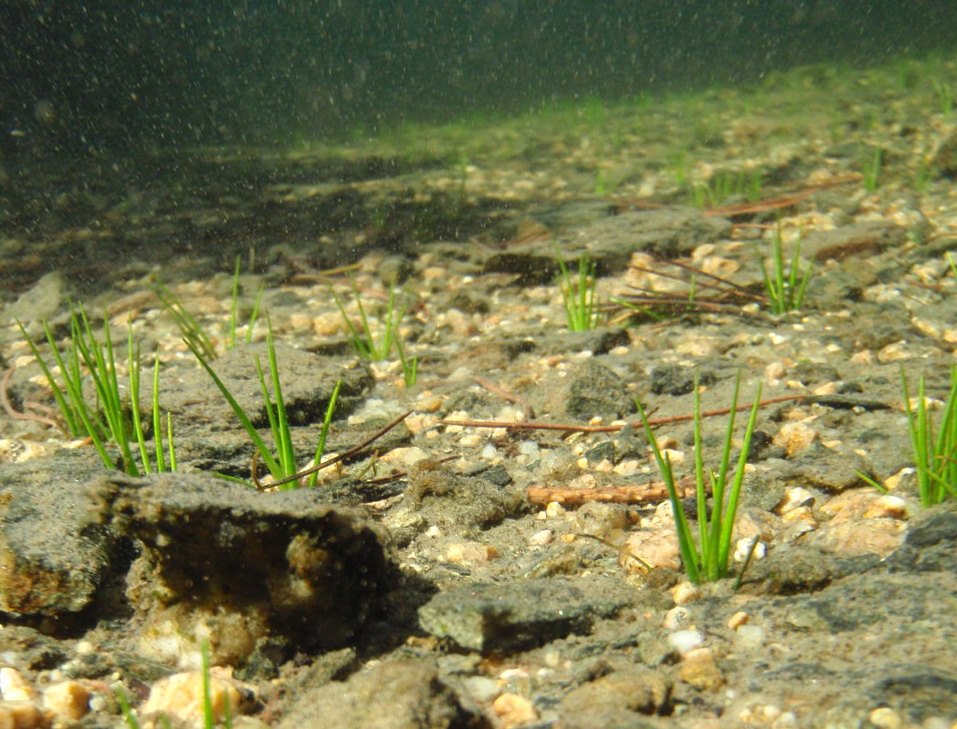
(738, 619)
(699, 669)
(794, 497)
(794, 437)
(676, 618)
(513, 710)
(749, 637)
(470, 553)
(684, 593)
(542, 538)
(181, 695)
(13, 687)
(69, 700)
(685, 641)
(885, 718)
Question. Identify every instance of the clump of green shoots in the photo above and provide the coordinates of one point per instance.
(195, 333)
(103, 415)
(707, 559)
(283, 464)
(578, 294)
(934, 447)
(785, 286)
(871, 163)
(367, 344)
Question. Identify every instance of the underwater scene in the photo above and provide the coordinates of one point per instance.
(508, 364)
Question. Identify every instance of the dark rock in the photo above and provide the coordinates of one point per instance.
(825, 468)
(457, 504)
(591, 389)
(405, 694)
(674, 380)
(930, 544)
(282, 566)
(40, 574)
(615, 700)
(307, 384)
(788, 570)
(852, 240)
(525, 614)
(597, 341)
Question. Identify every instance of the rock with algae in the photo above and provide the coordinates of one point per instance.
(244, 568)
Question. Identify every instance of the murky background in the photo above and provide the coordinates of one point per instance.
(81, 77)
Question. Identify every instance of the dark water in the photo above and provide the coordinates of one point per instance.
(82, 76)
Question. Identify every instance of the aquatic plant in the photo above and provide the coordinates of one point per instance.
(283, 464)
(193, 331)
(378, 348)
(871, 164)
(578, 295)
(934, 447)
(785, 286)
(104, 417)
(707, 560)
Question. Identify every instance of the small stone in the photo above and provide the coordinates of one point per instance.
(542, 538)
(68, 700)
(658, 549)
(182, 696)
(685, 641)
(553, 510)
(470, 553)
(794, 437)
(699, 670)
(327, 325)
(23, 715)
(887, 505)
(793, 498)
(513, 710)
(684, 593)
(885, 718)
(749, 637)
(743, 547)
(13, 687)
(676, 618)
(738, 619)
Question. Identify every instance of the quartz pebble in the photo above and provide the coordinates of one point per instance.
(685, 641)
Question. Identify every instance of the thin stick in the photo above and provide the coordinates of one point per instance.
(16, 414)
(332, 461)
(571, 428)
(643, 493)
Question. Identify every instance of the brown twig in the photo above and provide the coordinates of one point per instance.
(574, 428)
(16, 414)
(507, 394)
(541, 495)
(332, 461)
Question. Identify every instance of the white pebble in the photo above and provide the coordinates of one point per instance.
(749, 637)
(542, 537)
(685, 641)
(743, 546)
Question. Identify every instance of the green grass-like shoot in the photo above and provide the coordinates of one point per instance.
(871, 165)
(106, 420)
(934, 447)
(192, 331)
(128, 716)
(578, 294)
(234, 310)
(707, 560)
(283, 464)
(785, 286)
(370, 347)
